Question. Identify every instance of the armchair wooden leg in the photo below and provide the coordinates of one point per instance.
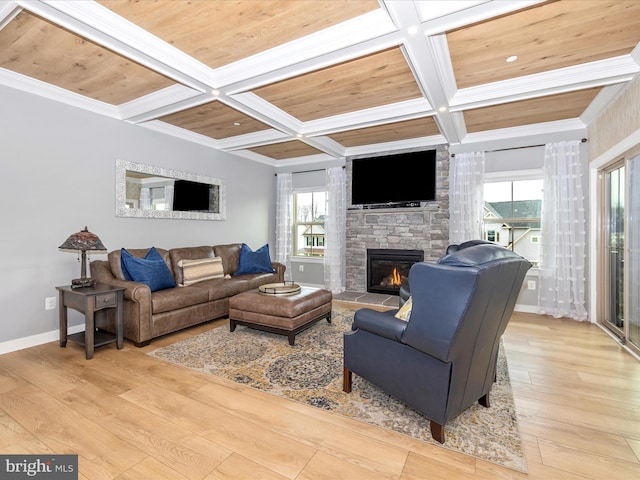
(484, 401)
(347, 377)
(437, 431)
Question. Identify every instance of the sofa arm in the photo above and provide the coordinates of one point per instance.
(137, 292)
(279, 270)
(383, 324)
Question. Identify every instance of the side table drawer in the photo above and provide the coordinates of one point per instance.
(106, 300)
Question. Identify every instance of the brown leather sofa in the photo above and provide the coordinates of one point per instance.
(148, 315)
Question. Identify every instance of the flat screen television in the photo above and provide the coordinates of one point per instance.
(392, 179)
(191, 196)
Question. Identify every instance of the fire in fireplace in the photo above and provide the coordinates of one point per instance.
(388, 269)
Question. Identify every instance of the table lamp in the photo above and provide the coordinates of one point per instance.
(81, 242)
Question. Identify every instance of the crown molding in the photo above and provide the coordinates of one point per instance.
(57, 94)
(394, 146)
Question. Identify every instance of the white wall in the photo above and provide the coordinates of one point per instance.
(57, 167)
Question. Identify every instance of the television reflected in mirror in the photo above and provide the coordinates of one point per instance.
(146, 191)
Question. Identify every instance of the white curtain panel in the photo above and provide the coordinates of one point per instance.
(561, 291)
(466, 203)
(284, 221)
(168, 196)
(334, 226)
(145, 198)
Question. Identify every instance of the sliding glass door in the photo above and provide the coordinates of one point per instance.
(621, 242)
(633, 253)
(614, 245)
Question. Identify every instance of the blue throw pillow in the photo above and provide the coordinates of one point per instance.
(254, 262)
(150, 270)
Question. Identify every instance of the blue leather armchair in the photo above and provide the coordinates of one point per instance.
(443, 358)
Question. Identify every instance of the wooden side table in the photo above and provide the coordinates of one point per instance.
(89, 300)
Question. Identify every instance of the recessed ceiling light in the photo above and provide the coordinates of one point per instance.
(215, 93)
(442, 109)
(236, 124)
(412, 30)
(512, 58)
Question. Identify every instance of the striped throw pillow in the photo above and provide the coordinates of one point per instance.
(194, 271)
(405, 310)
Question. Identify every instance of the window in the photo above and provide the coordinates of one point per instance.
(309, 209)
(492, 236)
(512, 212)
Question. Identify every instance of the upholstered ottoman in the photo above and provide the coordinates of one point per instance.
(282, 314)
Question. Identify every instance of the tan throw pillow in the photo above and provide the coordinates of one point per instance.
(194, 271)
(405, 311)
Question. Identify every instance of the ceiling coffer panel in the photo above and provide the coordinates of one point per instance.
(389, 132)
(215, 120)
(218, 33)
(378, 79)
(284, 150)
(36, 48)
(562, 106)
(544, 38)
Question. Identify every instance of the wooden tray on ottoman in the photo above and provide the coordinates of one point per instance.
(282, 314)
(283, 288)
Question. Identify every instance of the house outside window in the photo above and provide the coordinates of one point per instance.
(512, 216)
(310, 209)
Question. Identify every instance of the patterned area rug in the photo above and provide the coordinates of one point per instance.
(311, 372)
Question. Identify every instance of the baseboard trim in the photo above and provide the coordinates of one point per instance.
(35, 340)
(526, 309)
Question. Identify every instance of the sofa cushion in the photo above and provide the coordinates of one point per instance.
(150, 270)
(257, 279)
(176, 298)
(115, 259)
(219, 288)
(230, 254)
(254, 262)
(187, 253)
(194, 271)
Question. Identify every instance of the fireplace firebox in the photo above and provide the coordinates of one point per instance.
(388, 269)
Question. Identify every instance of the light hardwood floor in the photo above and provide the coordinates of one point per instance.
(130, 416)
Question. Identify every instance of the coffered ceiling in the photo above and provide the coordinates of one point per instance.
(297, 81)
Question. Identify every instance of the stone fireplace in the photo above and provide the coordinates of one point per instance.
(424, 228)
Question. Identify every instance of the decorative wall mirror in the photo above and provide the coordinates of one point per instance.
(145, 191)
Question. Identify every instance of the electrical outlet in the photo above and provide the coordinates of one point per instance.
(301, 268)
(531, 284)
(50, 303)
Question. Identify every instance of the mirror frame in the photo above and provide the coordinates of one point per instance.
(122, 166)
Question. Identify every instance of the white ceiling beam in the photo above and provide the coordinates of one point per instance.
(369, 117)
(163, 102)
(462, 13)
(562, 80)
(523, 136)
(255, 139)
(426, 62)
(350, 39)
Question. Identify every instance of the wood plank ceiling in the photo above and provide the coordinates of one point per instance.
(291, 81)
